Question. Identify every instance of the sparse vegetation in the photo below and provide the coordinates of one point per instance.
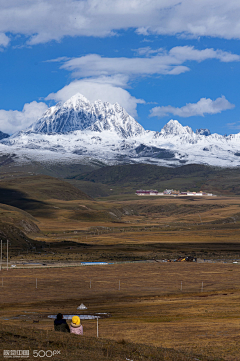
(149, 309)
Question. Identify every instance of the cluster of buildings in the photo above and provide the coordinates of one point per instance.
(171, 192)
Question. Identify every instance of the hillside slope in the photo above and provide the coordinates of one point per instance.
(127, 178)
(18, 191)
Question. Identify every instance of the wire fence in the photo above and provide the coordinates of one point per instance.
(118, 280)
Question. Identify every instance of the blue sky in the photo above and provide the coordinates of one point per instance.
(159, 59)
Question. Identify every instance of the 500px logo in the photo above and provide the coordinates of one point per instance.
(15, 353)
(47, 353)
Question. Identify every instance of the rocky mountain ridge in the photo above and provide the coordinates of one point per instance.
(78, 113)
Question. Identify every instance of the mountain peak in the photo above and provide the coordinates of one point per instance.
(77, 113)
(76, 100)
(173, 127)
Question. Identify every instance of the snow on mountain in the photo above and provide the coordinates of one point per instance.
(75, 114)
(115, 119)
(4, 135)
(203, 132)
(78, 113)
(80, 131)
(174, 128)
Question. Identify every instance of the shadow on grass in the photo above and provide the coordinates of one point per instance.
(19, 200)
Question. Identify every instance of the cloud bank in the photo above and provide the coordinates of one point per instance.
(43, 20)
(105, 89)
(164, 62)
(12, 121)
(107, 79)
(202, 107)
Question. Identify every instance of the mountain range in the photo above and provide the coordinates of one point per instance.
(83, 132)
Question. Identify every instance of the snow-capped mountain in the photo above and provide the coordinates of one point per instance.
(80, 131)
(78, 113)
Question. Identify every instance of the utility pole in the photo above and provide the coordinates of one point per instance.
(1, 255)
(7, 254)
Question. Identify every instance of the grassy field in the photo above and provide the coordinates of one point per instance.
(201, 317)
(133, 229)
(68, 347)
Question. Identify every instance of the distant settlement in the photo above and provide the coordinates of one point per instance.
(171, 192)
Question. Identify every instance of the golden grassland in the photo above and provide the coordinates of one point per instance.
(133, 215)
(147, 228)
(59, 210)
(150, 307)
(63, 347)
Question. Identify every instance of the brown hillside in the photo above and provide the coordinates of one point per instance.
(40, 187)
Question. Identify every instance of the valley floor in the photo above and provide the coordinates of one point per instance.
(189, 307)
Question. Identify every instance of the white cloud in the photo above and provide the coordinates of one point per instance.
(184, 53)
(12, 121)
(107, 78)
(4, 40)
(203, 106)
(95, 65)
(215, 18)
(44, 20)
(164, 62)
(235, 125)
(104, 88)
(148, 51)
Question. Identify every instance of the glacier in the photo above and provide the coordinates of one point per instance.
(80, 131)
